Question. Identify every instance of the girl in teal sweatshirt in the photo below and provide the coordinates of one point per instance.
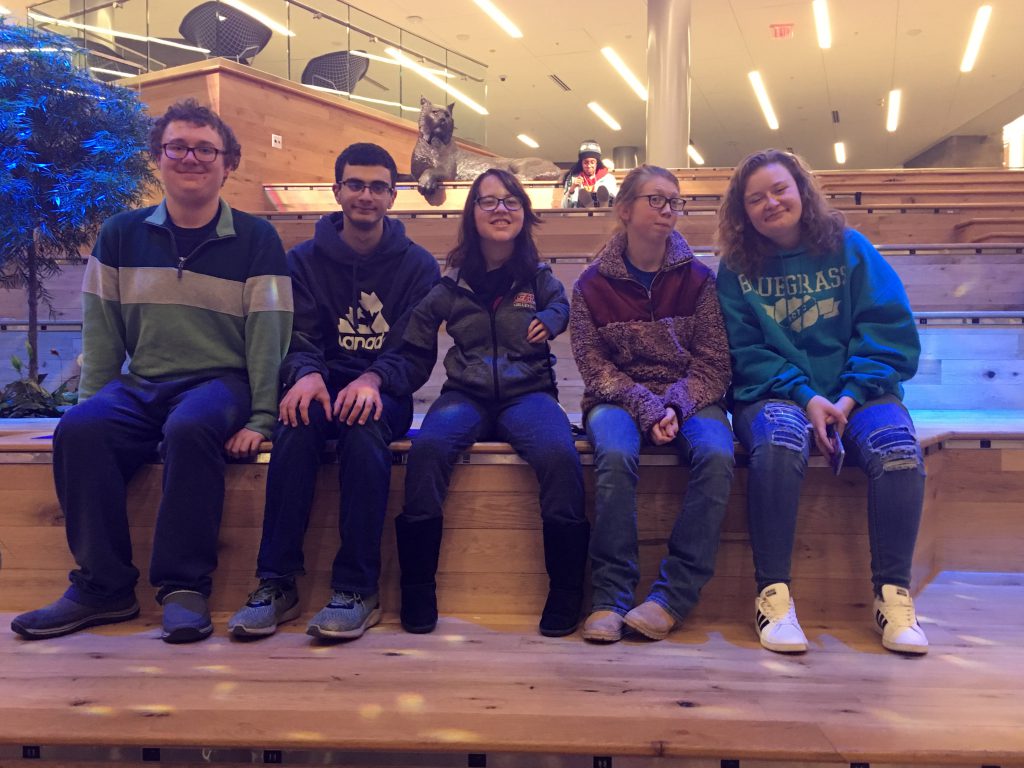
(821, 336)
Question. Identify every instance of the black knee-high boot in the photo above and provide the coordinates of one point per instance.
(565, 556)
(419, 545)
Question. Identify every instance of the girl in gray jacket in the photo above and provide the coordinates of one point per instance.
(501, 308)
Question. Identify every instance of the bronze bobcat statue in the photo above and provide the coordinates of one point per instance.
(435, 158)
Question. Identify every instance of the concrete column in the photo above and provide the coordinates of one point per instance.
(668, 82)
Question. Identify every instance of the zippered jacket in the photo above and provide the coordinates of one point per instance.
(227, 306)
(829, 324)
(490, 358)
(351, 310)
(646, 351)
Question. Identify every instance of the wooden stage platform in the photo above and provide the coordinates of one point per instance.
(494, 693)
(486, 690)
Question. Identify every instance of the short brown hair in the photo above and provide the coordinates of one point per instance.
(191, 111)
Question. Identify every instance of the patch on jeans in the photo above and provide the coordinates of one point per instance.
(788, 424)
(896, 446)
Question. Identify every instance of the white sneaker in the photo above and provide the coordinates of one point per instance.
(775, 620)
(896, 620)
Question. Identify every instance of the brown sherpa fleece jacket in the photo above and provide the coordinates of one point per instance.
(647, 351)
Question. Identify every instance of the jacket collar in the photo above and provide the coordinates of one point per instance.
(611, 259)
(225, 221)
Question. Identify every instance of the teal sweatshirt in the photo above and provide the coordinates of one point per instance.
(832, 325)
(227, 306)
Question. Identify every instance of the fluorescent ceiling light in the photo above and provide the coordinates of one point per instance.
(610, 121)
(625, 72)
(499, 18)
(892, 119)
(113, 32)
(977, 34)
(248, 10)
(419, 69)
(112, 72)
(382, 102)
(528, 141)
(392, 62)
(822, 24)
(840, 152)
(4, 10)
(763, 100)
(694, 154)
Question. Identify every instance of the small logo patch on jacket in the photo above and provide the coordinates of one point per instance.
(525, 300)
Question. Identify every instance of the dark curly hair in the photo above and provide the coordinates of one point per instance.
(191, 111)
(742, 248)
(467, 255)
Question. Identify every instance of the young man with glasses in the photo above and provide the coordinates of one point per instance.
(196, 296)
(356, 283)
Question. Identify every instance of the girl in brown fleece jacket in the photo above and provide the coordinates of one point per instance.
(650, 344)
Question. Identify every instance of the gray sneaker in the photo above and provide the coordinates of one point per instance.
(274, 602)
(64, 616)
(186, 617)
(347, 616)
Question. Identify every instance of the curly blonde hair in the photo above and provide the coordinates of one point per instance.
(742, 248)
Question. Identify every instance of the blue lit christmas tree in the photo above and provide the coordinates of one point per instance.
(73, 151)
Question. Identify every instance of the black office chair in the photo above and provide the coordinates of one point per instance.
(225, 31)
(339, 70)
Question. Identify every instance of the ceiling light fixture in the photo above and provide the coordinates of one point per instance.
(248, 10)
(608, 120)
(528, 141)
(763, 100)
(840, 152)
(625, 72)
(386, 60)
(4, 10)
(382, 102)
(892, 119)
(822, 24)
(695, 155)
(498, 17)
(977, 35)
(402, 58)
(103, 71)
(113, 32)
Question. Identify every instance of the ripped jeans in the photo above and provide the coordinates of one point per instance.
(879, 438)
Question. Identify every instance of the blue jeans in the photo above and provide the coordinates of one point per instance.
(704, 440)
(364, 472)
(879, 438)
(100, 443)
(537, 429)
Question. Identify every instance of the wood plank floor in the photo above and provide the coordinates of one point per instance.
(496, 687)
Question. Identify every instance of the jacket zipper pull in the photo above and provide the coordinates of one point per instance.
(181, 265)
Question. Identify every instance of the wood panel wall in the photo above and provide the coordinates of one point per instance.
(314, 126)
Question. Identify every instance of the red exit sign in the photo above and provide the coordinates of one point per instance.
(781, 31)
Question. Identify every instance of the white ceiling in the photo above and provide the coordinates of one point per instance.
(877, 45)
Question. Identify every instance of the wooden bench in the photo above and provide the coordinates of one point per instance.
(492, 561)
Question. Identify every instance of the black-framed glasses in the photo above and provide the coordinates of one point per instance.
(377, 188)
(488, 203)
(677, 204)
(203, 154)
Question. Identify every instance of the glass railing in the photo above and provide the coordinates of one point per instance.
(322, 44)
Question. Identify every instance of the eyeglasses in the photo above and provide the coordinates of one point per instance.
(180, 152)
(511, 203)
(677, 204)
(377, 188)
